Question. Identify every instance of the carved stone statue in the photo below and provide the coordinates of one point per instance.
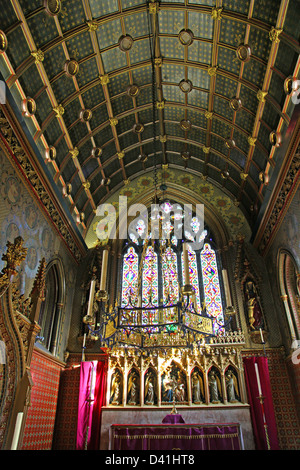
(214, 387)
(197, 387)
(133, 389)
(116, 389)
(150, 389)
(255, 316)
(180, 387)
(231, 386)
(167, 386)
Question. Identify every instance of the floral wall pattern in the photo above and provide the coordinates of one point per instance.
(21, 216)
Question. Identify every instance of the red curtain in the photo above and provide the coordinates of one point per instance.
(91, 399)
(257, 411)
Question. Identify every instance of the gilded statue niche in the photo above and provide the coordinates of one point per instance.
(133, 387)
(116, 388)
(210, 374)
(197, 386)
(150, 387)
(215, 385)
(232, 385)
(174, 384)
(252, 303)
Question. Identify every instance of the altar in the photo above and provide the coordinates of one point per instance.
(186, 437)
(146, 429)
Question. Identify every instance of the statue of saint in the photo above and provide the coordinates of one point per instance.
(180, 387)
(133, 389)
(214, 387)
(115, 394)
(232, 387)
(252, 300)
(149, 389)
(167, 386)
(197, 387)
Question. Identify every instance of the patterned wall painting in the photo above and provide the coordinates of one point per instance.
(20, 216)
(224, 206)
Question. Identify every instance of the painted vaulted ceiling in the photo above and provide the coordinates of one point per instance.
(111, 89)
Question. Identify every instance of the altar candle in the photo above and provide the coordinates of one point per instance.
(226, 287)
(186, 264)
(15, 440)
(91, 298)
(261, 335)
(258, 379)
(104, 270)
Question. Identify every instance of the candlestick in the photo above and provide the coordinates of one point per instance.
(261, 399)
(90, 400)
(104, 270)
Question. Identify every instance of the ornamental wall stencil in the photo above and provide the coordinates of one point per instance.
(11, 192)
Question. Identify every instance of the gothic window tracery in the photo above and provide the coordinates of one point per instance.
(52, 306)
(153, 269)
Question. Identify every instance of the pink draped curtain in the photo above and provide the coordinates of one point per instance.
(91, 399)
(258, 413)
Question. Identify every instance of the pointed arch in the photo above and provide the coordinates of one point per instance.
(50, 318)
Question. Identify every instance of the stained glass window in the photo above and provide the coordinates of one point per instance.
(170, 276)
(150, 279)
(159, 263)
(194, 280)
(211, 285)
(130, 276)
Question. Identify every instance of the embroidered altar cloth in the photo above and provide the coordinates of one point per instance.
(176, 437)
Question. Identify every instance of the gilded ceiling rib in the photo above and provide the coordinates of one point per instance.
(89, 27)
(44, 77)
(265, 87)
